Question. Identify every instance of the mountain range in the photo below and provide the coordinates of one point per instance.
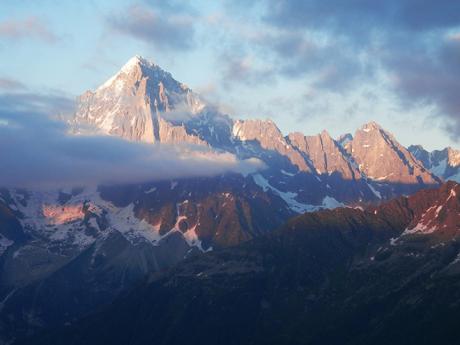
(65, 253)
(144, 103)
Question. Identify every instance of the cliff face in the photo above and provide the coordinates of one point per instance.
(325, 154)
(269, 137)
(381, 158)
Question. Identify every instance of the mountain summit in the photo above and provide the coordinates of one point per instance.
(136, 104)
(381, 158)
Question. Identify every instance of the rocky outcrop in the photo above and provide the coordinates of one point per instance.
(381, 158)
(266, 134)
(325, 154)
(176, 134)
(443, 163)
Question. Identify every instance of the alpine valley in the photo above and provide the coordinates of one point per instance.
(345, 238)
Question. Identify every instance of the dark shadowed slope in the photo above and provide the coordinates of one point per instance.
(385, 275)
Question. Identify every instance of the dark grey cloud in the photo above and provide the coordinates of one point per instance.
(362, 16)
(38, 152)
(414, 43)
(427, 77)
(163, 29)
(329, 65)
(31, 27)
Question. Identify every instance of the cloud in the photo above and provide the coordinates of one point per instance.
(363, 16)
(55, 105)
(172, 6)
(408, 47)
(162, 29)
(31, 27)
(430, 78)
(243, 70)
(38, 152)
(328, 65)
(11, 84)
(296, 53)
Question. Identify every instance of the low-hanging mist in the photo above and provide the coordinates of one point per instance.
(38, 152)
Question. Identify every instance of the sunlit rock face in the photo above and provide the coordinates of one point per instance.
(57, 214)
(325, 154)
(269, 137)
(436, 213)
(381, 158)
(130, 105)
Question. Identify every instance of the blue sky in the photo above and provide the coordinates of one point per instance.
(308, 64)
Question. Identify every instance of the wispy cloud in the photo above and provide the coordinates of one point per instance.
(30, 27)
(163, 29)
(243, 70)
(43, 104)
(8, 84)
(328, 65)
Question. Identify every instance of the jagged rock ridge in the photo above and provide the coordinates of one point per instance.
(443, 163)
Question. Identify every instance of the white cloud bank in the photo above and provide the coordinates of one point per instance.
(36, 152)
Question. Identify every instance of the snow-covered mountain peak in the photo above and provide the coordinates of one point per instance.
(135, 70)
(139, 60)
(135, 62)
(141, 102)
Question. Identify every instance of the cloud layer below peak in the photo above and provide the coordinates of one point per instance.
(38, 153)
